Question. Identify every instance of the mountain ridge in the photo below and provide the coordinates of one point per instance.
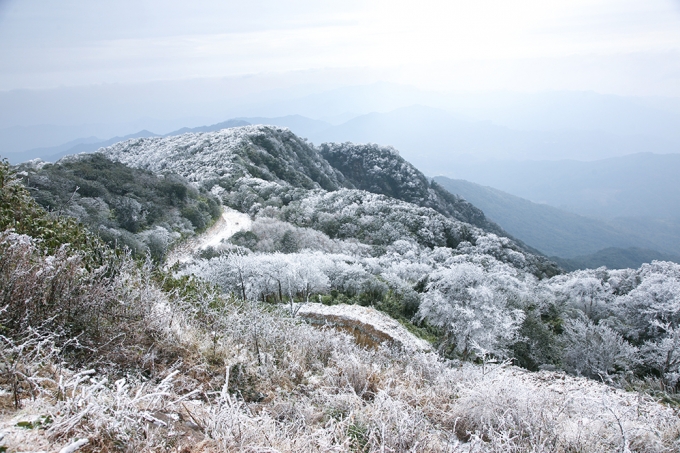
(572, 241)
(245, 163)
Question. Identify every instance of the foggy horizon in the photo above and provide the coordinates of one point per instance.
(611, 47)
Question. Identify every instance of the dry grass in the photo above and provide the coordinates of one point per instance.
(315, 390)
(202, 374)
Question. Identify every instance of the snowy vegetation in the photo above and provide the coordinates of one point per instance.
(213, 354)
(380, 169)
(126, 206)
(607, 325)
(374, 231)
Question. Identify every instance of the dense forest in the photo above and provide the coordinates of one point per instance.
(358, 224)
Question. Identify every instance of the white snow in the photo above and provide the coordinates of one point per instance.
(369, 321)
(230, 223)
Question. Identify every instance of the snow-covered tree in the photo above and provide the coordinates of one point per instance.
(463, 301)
(595, 350)
(663, 355)
(655, 300)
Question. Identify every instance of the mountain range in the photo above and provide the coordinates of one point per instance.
(623, 202)
(635, 185)
(572, 240)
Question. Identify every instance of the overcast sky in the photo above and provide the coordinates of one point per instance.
(609, 46)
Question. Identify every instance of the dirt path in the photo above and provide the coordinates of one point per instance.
(225, 227)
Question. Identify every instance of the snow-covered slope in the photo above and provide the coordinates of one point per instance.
(265, 152)
(368, 325)
(270, 171)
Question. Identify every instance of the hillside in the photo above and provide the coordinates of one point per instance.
(125, 206)
(313, 232)
(229, 160)
(382, 170)
(253, 339)
(635, 185)
(551, 230)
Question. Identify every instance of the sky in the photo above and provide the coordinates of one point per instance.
(609, 46)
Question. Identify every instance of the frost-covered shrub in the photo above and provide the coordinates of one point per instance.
(587, 291)
(654, 300)
(595, 350)
(106, 309)
(475, 315)
(272, 235)
(19, 212)
(663, 355)
(509, 411)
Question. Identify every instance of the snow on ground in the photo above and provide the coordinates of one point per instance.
(368, 325)
(225, 227)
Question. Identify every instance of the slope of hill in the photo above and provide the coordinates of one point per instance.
(636, 185)
(210, 356)
(268, 153)
(276, 154)
(125, 206)
(382, 170)
(552, 231)
(469, 290)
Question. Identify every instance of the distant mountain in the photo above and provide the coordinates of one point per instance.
(212, 128)
(300, 125)
(551, 230)
(42, 153)
(91, 147)
(636, 185)
(18, 139)
(91, 144)
(48, 117)
(574, 110)
(572, 241)
(86, 145)
(435, 140)
(615, 258)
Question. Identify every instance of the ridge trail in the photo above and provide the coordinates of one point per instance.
(229, 223)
